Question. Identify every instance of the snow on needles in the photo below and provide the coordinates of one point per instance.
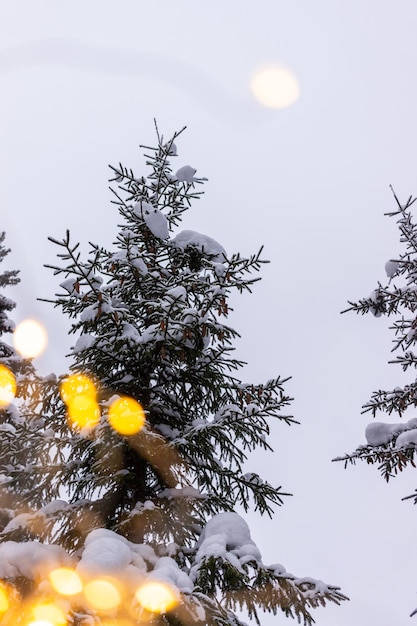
(154, 219)
(29, 559)
(379, 433)
(205, 244)
(186, 174)
(227, 536)
(105, 553)
(391, 268)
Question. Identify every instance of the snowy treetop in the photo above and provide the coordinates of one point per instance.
(150, 491)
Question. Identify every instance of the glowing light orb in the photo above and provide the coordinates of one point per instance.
(30, 338)
(126, 416)
(102, 595)
(157, 597)
(7, 386)
(275, 87)
(4, 599)
(65, 581)
(79, 392)
(77, 385)
(47, 614)
(83, 412)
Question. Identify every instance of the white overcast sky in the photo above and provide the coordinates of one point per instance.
(81, 82)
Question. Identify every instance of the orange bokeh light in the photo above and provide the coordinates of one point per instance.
(157, 597)
(4, 598)
(65, 581)
(83, 412)
(47, 614)
(126, 416)
(116, 622)
(102, 594)
(7, 386)
(77, 385)
(79, 393)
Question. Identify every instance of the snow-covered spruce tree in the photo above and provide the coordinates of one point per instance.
(150, 322)
(392, 446)
(10, 363)
(19, 437)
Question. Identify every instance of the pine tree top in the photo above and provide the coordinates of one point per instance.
(148, 494)
(150, 316)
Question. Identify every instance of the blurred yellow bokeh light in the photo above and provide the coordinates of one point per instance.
(77, 385)
(30, 338)
(7, 386)
(126, 416)
(79, 392)
(4, 599)
(102, 595)
(47, 614)
(65, 581)
(117, 622)
(275, 87)
(83, 412)
(157, 597)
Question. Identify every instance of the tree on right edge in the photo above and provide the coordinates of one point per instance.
(391, 446)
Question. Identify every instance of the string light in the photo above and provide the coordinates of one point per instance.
(157, 597)
(65, 581)
(4, 599)
(77, 385)
(102, 594)
(79, 393)
(30, 338)
(7, 386)
(47, 614)
(126, 416)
